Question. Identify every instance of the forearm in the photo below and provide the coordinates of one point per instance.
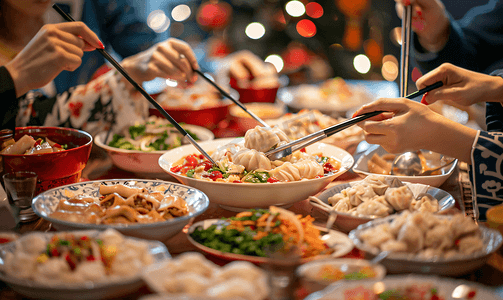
(451, 138)
(9, 99)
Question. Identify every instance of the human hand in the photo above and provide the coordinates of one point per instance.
(163, 60)
(461, 86)
(397, 130)
(55, 48)
(429, 22)
(245, 67)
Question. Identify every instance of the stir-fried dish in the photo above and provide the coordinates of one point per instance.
(156, 134)
(256, 232)
(31, 145)
(121, 204)
(246, 161)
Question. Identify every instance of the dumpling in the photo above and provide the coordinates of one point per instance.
(425, 204)
(234, 288)
(470, 244)
(394, 246)
(439, 237)
(343, 205)
(251, 159)
(411, 235)
(399, 198)
(286, 172)
(376, 236)
(263, 138)
(461, 225)
(309, 168)
(374, 207)
(360, 193)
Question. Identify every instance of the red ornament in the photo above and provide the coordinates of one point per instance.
(214, 15)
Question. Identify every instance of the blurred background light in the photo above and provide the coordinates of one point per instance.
(389, 70)
(181, 13)
(171, 83)
(276, 61)
(306, 28)
(255, 30)
(295, 8)
(158, 21)
(361, 63)
(314, 10)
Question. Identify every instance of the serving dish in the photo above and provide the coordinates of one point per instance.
(411, 263)
(55, 168)
(347, 222)
(142, 163)
(113, 287)
(250, 195)
(46, 203)
(336, 240)
(313, 275)
(361, 168)
(447, 288)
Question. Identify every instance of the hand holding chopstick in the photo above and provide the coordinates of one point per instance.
(141, 90)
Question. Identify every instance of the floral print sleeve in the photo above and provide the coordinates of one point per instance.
(486, 172)
(92, 107)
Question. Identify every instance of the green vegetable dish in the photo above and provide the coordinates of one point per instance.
(155, 135)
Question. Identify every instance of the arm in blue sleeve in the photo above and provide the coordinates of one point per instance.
(475, 42)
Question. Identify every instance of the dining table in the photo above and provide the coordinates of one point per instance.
(100, 167)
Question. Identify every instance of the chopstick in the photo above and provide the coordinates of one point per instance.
(227, 95)
(405, 49)
(291, 147)
(141, 90)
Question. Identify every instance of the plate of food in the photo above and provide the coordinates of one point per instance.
(86, 264)
(139, 147)
(193, 276)
(257, 235)
(376, 160)
(423, 242)
(149, 209)
(245, 178)
(377, 196)
(307, 121)
(406, 287)
(336, 96)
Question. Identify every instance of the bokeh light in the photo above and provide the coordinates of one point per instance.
(276, 61)
(361, 63)
(306, 28)
(181, 12)
(389, 69)
(295, 8)
(171, 83)
(314, 10)
(158, 21)
(255, 30)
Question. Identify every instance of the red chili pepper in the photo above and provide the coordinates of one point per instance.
(303, 150)
(70, 262)
(191, 160)
(215, 175)
(319, 176)
(84, 238)
(237, 181)
(176, 169)
(200, 156)
(57, 145)
(327, 167)
(4, 240)
(207, 165)
(472, 294)
(90, 258)
(272, 180)
(54, 252)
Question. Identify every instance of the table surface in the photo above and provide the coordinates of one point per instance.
(100, 166)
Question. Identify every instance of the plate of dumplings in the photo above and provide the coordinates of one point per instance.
(423, 242)
(378, 196)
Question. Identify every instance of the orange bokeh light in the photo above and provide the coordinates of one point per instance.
(314, 10)
(306, 28)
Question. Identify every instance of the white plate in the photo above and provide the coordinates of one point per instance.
(255, 195)
(144, 164)
(449, 288)
(411, 263)
(88, 290)
(347, 222)
(336, 240)
(361, 168)
(47, 202)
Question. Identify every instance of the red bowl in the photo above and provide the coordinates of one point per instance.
(206, 117)
(247, 95)
(56, 168)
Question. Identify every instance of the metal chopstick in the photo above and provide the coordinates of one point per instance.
(141, 90)
(405, 49)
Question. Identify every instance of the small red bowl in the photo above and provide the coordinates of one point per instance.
(206, 117)
(56, 168)
(247, 95)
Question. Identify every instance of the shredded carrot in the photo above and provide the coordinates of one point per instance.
(244, 214)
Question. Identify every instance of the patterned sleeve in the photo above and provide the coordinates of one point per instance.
(92, 107)
(486, 172)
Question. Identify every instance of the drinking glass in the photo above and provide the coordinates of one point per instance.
(20, 188)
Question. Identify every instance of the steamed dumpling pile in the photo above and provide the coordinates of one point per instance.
(191, 273)
(427, 235)
(380, 196)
